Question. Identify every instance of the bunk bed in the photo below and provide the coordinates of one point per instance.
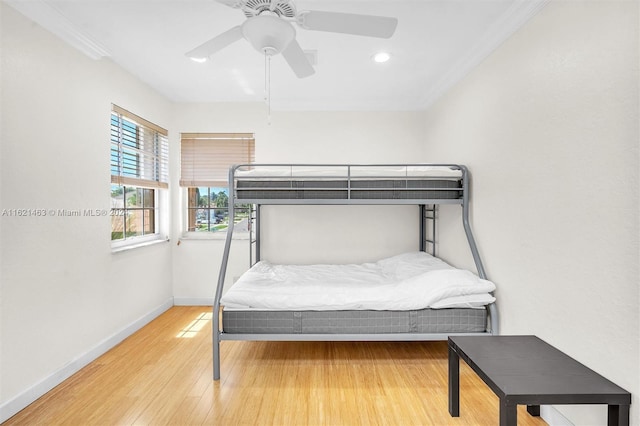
(264, 318)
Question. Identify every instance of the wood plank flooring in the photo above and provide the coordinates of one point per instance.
(162, 375)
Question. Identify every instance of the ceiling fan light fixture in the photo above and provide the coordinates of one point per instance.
(198, 60)
(267, 33)
(269, 29)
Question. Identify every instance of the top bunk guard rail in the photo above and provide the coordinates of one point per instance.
(347, 184)
(247, 186)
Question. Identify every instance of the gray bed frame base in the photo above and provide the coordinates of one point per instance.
(427, 212)
(323, 337)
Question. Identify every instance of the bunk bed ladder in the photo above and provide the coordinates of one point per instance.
(428, 212)
(254, 235)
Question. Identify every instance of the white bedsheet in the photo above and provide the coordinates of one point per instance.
(406, 282)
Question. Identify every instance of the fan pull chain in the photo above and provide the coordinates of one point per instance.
(267, 84)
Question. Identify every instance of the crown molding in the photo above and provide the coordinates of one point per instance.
(50, 18)
(509, 22)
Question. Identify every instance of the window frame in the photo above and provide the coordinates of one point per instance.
(134, 176)
(122, 211)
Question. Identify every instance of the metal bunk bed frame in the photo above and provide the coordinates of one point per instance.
(427, 212)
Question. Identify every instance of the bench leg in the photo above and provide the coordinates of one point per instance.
(618, 415)
(508, 414)
(534, 410)
(454, 383)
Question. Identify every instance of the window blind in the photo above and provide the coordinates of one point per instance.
(206, 157)
(139, 151)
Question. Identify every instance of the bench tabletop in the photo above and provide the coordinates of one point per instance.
(526, 368)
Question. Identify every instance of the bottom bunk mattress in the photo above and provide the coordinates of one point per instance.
(450, 320)
(409, 293)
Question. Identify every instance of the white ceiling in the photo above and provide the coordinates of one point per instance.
(436, 43)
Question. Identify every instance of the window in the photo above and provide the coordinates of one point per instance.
(139, 171)
(205, 162)
(133, 212)
(208, 211)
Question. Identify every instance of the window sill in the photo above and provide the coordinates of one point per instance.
(134, 246)
(213, 236)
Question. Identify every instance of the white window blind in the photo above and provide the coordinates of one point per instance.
(206, 157)
(139, 151)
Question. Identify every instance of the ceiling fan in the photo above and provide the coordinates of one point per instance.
(269, 30)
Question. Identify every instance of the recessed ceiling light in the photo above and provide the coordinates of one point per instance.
(199, 60)
(381, 57)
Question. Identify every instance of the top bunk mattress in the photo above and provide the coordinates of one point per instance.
(258, 171)
(348, 182)
(410, 281)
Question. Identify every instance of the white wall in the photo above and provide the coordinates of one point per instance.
(307, 234)
(64, 295)
(548, 126)
(557, 103)
(321, 234)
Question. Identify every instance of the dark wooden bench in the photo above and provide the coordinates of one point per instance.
(525, 370)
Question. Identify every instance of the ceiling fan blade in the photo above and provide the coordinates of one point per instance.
(297, 60)
(217, 43)
(348, 23)
(236, 4)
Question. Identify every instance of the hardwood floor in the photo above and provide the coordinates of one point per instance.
(162, 375)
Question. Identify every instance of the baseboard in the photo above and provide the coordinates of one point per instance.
(193, 301)
(553, 417)
(21, 401)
